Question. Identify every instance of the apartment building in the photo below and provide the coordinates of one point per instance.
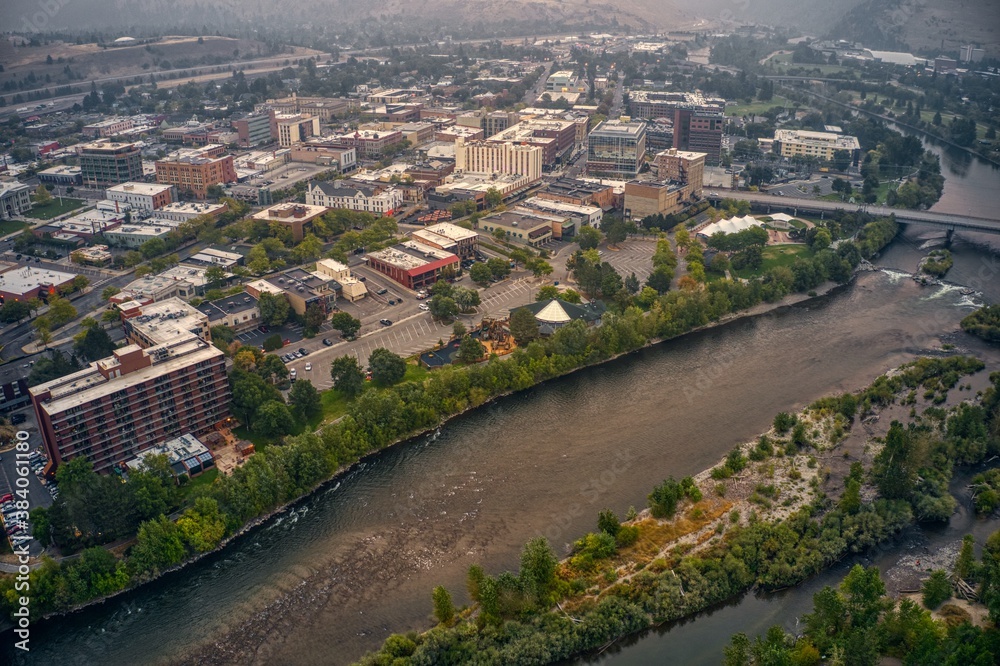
(684, 167)
(450, 238)
(292, 215)
(194, 171)
(136, 398)
(821, 145)
(290, 129)
(499, 157)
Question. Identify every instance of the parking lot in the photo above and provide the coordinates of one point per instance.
(632, 256)
(38, 495)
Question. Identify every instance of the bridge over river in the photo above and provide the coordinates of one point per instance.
(795, 206)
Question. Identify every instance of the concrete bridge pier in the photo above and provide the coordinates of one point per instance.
(948, 235)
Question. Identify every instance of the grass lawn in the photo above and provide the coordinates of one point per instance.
(880, 192)
(202, 481)
(10, 226)
(53, 208)
(777, 255)
(756, 107)
(783, 62)
(947, 117)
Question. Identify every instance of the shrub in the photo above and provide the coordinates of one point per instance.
(663, 500)
(936, 589)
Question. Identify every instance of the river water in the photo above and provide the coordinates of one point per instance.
(357, 561)
(331, 579)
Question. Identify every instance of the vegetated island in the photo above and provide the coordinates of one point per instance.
(984, 322)
(94, 511)
(759, 519)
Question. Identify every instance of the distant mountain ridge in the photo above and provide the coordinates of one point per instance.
(930, 26)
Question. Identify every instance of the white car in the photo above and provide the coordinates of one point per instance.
(309, 366)
(292, 374)
(424, 307)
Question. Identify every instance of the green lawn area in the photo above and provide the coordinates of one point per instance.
(783, 62)
(756, 107)
(10, 226)
(777, 255)
(334, 405)
(53, 208)
(946, 119)
(203, 481)
(883, 189)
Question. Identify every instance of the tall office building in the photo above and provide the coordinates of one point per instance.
(105, 163)
(616, 148)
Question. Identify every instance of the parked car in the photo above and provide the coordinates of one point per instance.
(392, 302)
(309, 366)
(18, 418)
(292, 375)
(303, 351)
(6, 498)
(424, 307)
(382, 291)
(327, 342)
(385, 322)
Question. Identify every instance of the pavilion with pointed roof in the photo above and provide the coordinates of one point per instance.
(554, 313)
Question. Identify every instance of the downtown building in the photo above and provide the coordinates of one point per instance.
(132, 400)
(499, 157)
(616, 148)
(104, 163)
(194, 171)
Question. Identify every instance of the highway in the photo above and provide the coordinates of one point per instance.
(949, 221)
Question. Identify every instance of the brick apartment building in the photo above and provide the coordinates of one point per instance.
(131, 400)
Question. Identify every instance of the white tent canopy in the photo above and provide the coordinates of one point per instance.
(730, 226)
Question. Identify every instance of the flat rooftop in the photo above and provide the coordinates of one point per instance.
(451, 231)
(23, 280)
(410, 254)
(168, 320)
(145, 189)
(617, 128)
(87, 385)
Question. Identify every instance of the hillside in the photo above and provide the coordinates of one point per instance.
(930, 26)
(434, 16)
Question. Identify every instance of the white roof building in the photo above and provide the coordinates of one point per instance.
(731, 226)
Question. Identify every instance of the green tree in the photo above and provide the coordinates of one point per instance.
(894, 469)
(470, 350)
(387, 368)
(660, 279)
(305, 399)
(14, 311)
(588, 238)
(493, 197)
(965, 565)
(664, 498)
(537, 574)
(523, 326)
(271, 343)
(499, 268)
(607, 521)
(314, 318)
(215, 276)
(444, 609)
(93, 343)
(539, 267)
(458, 330)
(466, 299)
(481, 274)
(42, 196)
(61, 311)
(443, 307)
(347, 375)
(615, 230)
(110, 292)
(345, 323)
(273, 419)
(274, 309)
(936, 590)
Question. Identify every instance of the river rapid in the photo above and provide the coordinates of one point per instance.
(330, 579)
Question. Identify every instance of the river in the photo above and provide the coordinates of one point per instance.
(357, 561)
(544, 461)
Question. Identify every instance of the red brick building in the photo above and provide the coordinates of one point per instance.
(412, 264)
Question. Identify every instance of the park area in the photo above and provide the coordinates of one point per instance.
(53, 208)
(776, 255)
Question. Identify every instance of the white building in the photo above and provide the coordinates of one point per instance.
(15, 200)
(499, 157)
(142, 196)
(363, 199)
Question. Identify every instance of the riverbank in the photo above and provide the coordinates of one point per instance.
(759, 520)
(822, 293)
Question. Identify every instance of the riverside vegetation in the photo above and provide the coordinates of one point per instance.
(699, 544)
(378, 417)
